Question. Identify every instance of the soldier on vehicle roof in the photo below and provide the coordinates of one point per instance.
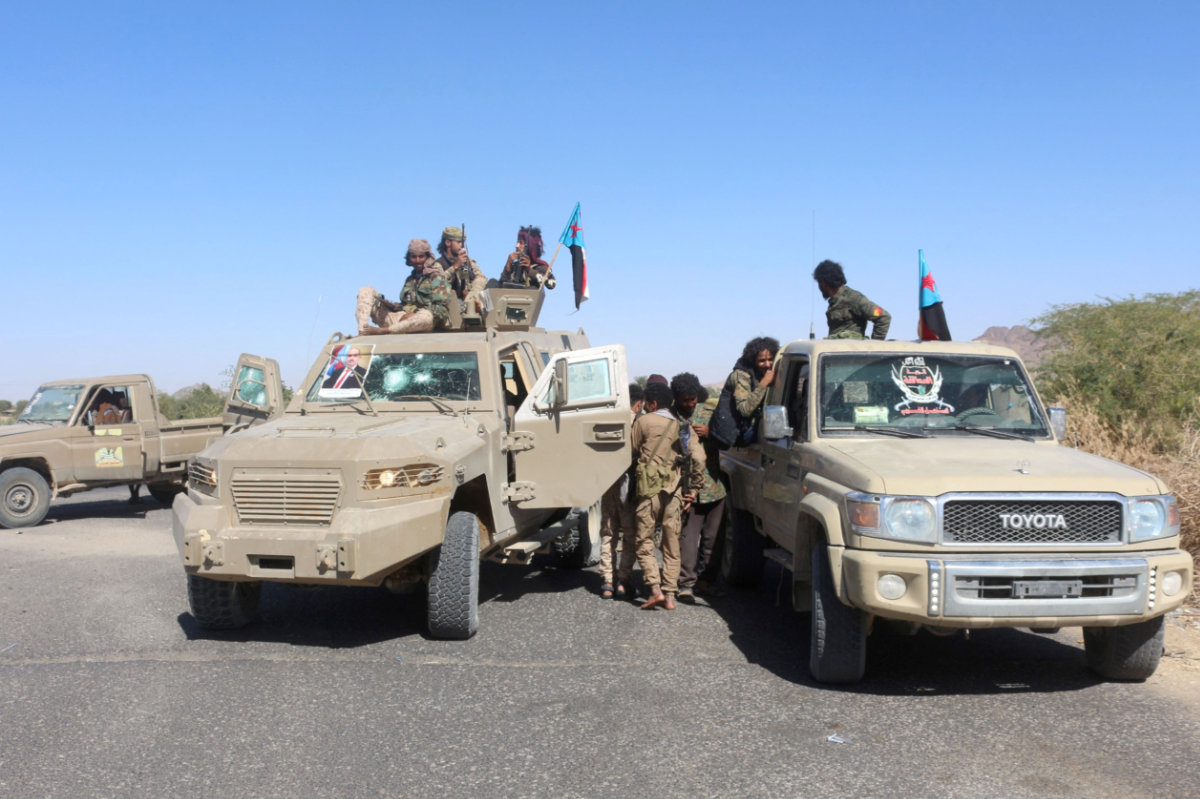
(423, 304)
(849, 311)
(524, 264)
(464, 275)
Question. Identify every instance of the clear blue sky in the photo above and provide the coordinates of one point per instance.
(183, 181)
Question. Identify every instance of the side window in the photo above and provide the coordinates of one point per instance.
(796, 396)
(109, 405)
(251, 386)
(588, 380)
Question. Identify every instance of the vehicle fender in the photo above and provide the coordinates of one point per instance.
(39, 465)
(824, 512)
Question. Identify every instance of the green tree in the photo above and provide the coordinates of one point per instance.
(20, 406)
(201, 403)
(641, 380)
(5, 406)
(1136, 360)
(167, 405)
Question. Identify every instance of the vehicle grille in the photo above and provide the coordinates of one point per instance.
(1014, 521)
(286, 499)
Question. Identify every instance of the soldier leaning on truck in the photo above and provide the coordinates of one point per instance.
(660, 438)
(465, 277)
(423, 305)
(752, 375)
(849, 311)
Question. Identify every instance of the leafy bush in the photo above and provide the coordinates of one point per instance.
(1136, 361)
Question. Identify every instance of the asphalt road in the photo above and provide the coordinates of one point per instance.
(108, 688)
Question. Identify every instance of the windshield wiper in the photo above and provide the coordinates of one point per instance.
(441, 404)
(994, 433)
(350, 400)
(891, 431)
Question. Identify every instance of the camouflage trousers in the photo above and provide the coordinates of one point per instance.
(370, 311)
(666, 509)
(616, 522)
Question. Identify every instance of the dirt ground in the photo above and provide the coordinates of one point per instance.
(1178, 674)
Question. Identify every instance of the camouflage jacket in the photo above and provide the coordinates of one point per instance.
(848, 314)
(466, 282)
(711, 487)
(427, 291)
(747, 393)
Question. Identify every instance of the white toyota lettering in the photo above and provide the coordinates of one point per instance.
(1039, 521)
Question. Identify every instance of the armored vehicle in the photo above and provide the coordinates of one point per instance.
(95, 432)
(924, 484)
(405, 460)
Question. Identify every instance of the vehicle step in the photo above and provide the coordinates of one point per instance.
(779, 555)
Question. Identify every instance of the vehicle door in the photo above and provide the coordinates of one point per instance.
(570, 436)
(106, 438)
(783, 472)
(256, 394)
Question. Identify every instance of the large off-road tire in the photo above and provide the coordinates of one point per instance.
(24, 497)
(838, 641)
(165, 493)
(1130, 652)
(575, 550)
(222, 604)
(742, 555)
(453, 610)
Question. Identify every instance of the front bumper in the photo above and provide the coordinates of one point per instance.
(974, 591)
(360, 546)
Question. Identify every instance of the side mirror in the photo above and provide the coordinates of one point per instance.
(560, 384)
(774, 423)
(1058, 422)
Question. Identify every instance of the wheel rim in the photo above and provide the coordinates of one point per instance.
(19, 499)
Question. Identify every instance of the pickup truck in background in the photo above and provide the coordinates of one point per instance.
(63, 443)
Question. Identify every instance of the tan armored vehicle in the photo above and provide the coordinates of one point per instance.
(405, 459)
(922, 483)
(94, 432)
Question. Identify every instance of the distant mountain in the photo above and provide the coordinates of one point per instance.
(183, 393)
(1022, 340)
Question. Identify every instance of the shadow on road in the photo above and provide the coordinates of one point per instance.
(339, 617)
(768, 632)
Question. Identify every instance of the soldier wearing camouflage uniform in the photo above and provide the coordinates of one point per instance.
(703, 523)
(465, 276)
(849, 311)
(752, 375)
(424, 300)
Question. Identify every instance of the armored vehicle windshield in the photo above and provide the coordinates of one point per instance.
(396, 376)
(934, 393)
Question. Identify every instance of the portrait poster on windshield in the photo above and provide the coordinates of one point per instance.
(346, 371)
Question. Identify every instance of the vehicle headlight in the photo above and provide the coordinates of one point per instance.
(1153, 517)
(911, 519)
(416, 475)
(202, 476)
(899, 518)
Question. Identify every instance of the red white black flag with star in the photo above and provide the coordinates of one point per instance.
(572, 236)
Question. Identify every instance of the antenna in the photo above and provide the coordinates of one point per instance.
(812, 300)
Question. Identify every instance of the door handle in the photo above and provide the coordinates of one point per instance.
(609, 435)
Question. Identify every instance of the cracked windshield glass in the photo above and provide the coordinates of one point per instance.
(391, 376)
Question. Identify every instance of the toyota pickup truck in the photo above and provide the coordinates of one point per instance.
(406, 459)
(923, 484)
(79, 434)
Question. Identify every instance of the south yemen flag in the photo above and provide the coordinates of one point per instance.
(572, 236)
(931, 324)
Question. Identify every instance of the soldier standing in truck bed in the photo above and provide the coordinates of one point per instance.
(849, 311)
(423, 304)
